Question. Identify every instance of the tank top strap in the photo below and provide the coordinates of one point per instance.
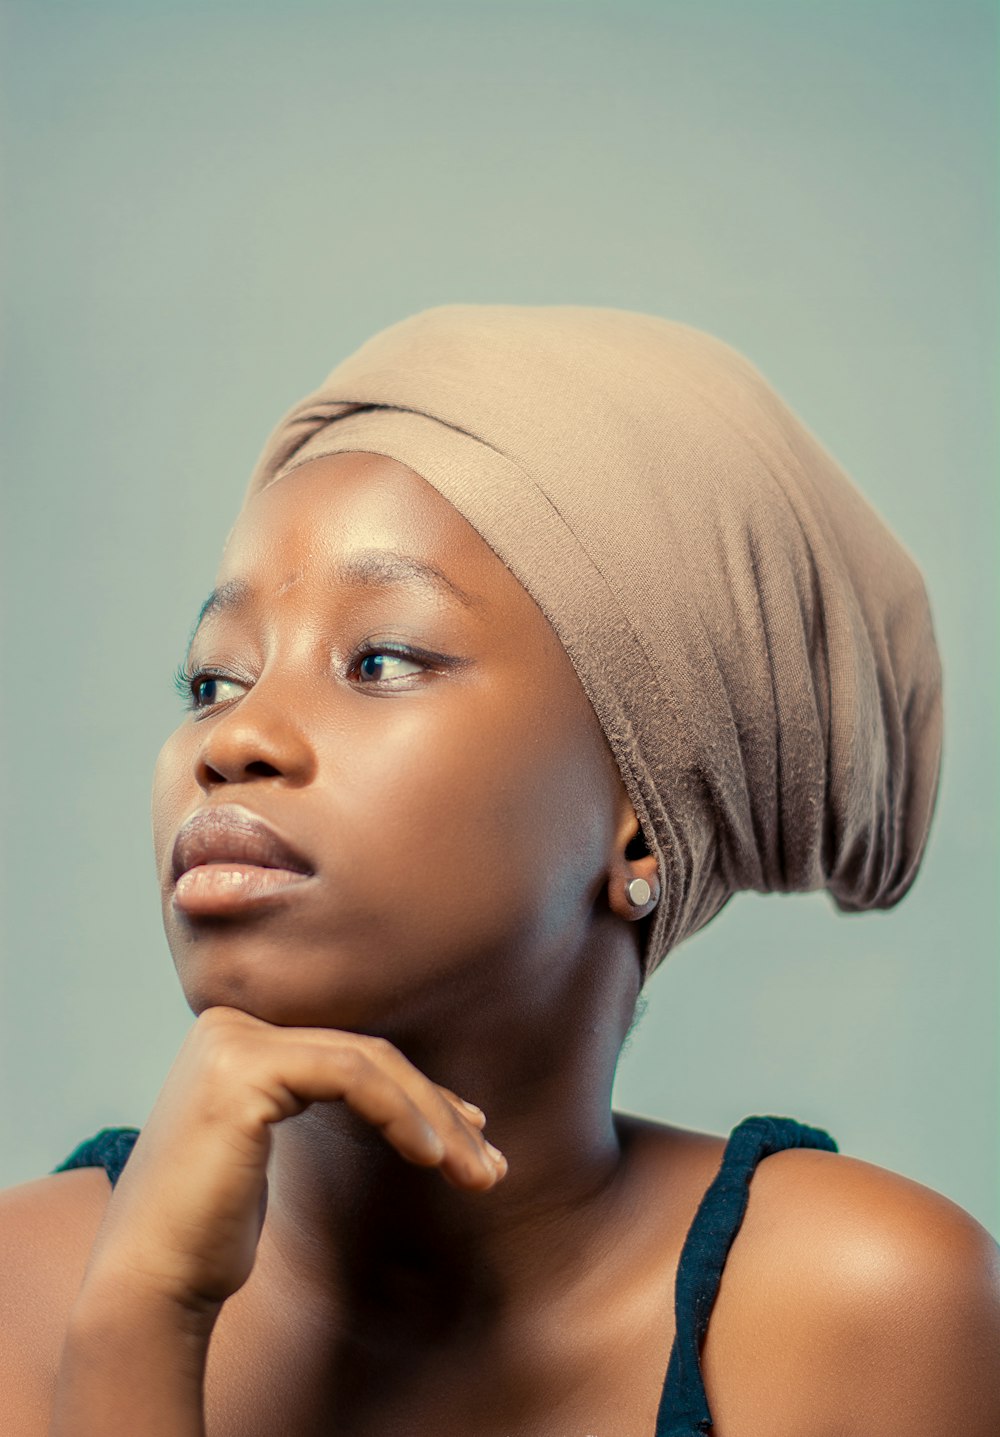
(108, 1149)
(683, 1410)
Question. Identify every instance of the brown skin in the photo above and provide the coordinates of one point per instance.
(466, 936)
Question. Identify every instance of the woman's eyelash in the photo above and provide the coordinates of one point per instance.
(185, 680)
(182, 682)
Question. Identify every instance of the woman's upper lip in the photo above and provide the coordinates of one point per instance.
(228, 832)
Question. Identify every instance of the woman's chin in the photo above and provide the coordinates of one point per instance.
(279, 982)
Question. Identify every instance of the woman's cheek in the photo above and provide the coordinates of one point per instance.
(170, 799)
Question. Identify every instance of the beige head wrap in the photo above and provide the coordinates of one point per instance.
(756, 644)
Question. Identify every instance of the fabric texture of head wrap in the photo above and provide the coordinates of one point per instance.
(757, 645)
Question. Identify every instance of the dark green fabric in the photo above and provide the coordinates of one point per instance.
(108, 1149)
(684, 1405)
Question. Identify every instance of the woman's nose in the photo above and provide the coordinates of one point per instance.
(254, 740)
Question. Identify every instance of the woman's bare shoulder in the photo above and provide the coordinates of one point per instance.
(47, 1229)
(883, 1292)
(869, 1222)
(49, 1223)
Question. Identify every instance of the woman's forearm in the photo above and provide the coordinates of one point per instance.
(131, 1363)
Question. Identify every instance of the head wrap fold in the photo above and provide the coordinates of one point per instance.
(756, 643)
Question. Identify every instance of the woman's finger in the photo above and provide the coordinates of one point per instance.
(467, 1156)
(469, 1110)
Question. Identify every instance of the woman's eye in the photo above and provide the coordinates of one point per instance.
(204, 690)
(381, 665)
(199, 690)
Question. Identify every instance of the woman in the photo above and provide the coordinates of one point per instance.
(541, 632)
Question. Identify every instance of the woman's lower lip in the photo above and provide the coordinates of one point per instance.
(227, 887)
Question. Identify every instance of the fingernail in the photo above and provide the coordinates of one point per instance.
(495, 1153)
(472, 1108)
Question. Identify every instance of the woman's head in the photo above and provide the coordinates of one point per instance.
(755, 642)
(742, 652)
(398, 708)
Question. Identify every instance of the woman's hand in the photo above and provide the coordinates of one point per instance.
(188, 1209)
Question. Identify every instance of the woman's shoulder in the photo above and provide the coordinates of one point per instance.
(885, 1292)
(806, 1191)
(47, 1229)
(49, 1223)
(864, 1220)
(851, 1297)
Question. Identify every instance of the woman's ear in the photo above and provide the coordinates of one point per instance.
(633, 877)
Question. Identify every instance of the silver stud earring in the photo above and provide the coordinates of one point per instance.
(638, 891)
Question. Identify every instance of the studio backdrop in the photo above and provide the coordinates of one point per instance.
(208, 205)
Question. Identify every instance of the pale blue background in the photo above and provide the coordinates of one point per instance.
(207, 205)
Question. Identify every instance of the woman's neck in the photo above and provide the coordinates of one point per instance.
(375, 1239)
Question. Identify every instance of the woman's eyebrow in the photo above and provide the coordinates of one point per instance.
(376, 568)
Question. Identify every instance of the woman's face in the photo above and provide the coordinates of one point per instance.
(397, 707)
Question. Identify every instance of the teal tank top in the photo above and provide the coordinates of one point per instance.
(683, 1410)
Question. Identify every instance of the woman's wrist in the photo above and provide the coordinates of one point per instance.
(133, 1361)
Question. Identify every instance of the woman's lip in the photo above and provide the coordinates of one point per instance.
(232, 833)
(219, 888)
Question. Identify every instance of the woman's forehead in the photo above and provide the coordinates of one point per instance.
(351, 488)
(366, 518)
(340, 502)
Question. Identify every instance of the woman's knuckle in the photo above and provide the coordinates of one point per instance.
(381, 1048)
(223, 1070)
(223, 1055)
(349, 1063)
